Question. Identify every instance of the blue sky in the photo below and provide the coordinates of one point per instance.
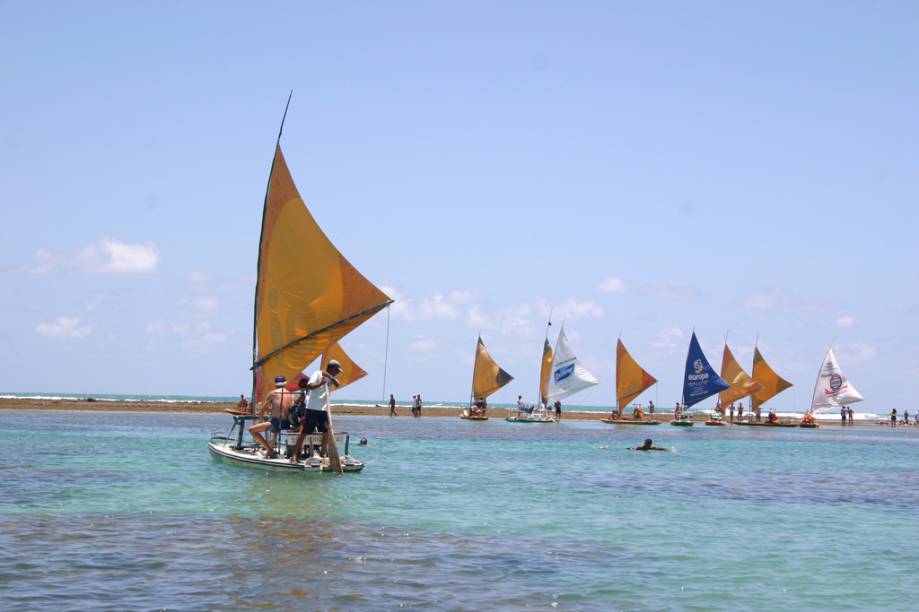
(641, 168)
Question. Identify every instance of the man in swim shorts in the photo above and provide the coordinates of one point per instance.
(278, 402)
(317, 406)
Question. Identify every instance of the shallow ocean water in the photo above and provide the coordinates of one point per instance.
(129, 511)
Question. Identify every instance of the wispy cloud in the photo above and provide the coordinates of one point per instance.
(845, 322)
(422, 345)
(439, 307)
(203, 303)
(669, 338)
(611, 284)
(667, 291)
(64, 327)
(780, 300)
(106, 256)
(570, 309)
(861, 351)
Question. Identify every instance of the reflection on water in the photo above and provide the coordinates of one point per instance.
(131, 512)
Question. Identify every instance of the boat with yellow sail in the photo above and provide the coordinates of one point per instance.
(631, 381)
(487, 377)
(537, 413)
(741, 385)
(768, 384)
(307, 297)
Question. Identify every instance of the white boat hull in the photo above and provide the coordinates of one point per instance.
(248, 456)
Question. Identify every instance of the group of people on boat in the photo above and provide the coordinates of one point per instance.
(306, 410)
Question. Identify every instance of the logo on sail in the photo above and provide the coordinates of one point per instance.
(697, 366)
(563, 372)
(835, 382)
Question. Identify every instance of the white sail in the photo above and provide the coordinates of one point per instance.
(568, 375)
(833, 389)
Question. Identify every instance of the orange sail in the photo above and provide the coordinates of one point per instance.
(350, 371)
(308, 295)
(770, 383)
(741, 383)
(487, 375)
(545, 370)
(631, 379)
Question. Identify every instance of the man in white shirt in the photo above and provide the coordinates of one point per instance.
(317, 406)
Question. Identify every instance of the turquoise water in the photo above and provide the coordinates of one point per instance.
(129, 511)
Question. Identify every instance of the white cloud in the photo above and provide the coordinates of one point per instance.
(668, 338)
(115, 257)
(779, 300)
(476, 318)
(611, 284)
(422, 345)
(64, 327)
(198, 277)
(203, 303)
(438, 307)
(199, 338)
(861, 351)
(516, 326)
(103, 257)
(573, 309)
(845, 322)
(402, 307)
(461, 296)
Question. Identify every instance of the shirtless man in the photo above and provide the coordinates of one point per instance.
(278, 402)
(243, 404)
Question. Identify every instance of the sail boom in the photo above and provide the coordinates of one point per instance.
(292, 343)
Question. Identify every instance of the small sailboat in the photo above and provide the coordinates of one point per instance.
(307, 297)
(832, 388)
(700, 382)
(631, 381)
(768, 385)
(566, 377)
(741, 384)
(487, 377)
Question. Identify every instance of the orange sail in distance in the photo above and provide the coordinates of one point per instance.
(741, 383)
(308, 295)
(770, 383)
(545, 370)
(487, 375)
(350, 371)
(631, 379)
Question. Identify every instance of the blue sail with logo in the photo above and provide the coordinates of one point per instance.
(701, 380)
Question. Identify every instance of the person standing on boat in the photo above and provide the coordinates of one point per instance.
(278, 403)
(317, 407)
(392, 405)
(243, 404)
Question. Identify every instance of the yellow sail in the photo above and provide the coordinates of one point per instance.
(309, 295)
(631, 379)
(487, 376)
(741, 383)
(770, 383)
(545, 371)
(350, 371)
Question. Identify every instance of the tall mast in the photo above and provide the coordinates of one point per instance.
(259, 261)
(475, 365)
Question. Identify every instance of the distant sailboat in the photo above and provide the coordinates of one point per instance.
(769, 384)
(487, 377)
(565, 377)
(307, 297)
(700, 381)
(741, 383)
(832, 389)
(631, 381)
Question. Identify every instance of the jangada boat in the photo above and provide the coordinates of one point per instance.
(307, 297)
(700, 381)
(631, 381)
(487, 377)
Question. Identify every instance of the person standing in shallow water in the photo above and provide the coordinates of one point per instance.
(851, 416)
(893, 417)
(392, 405)
(842, 414)
(558, 410)
(651, 407)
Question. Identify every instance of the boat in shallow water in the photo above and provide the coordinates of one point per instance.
(307, 297)
(230, 448)
(487, 377)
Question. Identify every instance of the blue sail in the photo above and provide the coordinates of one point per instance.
(701, 380)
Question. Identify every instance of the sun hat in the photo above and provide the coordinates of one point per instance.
(279, 381)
